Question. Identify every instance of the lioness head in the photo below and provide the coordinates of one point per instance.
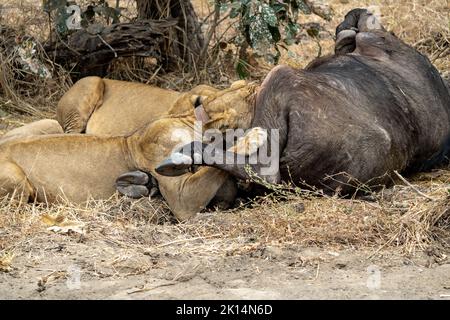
(231, 108)
(183, 104)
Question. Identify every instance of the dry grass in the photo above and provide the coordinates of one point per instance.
(22, 91)
(421, 23)
(399, 217)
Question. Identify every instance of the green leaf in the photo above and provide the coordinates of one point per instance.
(61, 21)
(303, 7)
(235, 12)
(280, 7)
(260, 36)
(260, 23)
(51, 5)
(268, 15)
(241, 69)
(291, 30)
(223, 7)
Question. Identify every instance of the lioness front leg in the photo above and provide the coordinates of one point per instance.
(192, 192)
(14, 183)
(40, 127)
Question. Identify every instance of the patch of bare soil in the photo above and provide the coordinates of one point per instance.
(62, 267)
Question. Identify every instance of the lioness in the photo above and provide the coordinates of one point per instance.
(116, 108)
(78, 167)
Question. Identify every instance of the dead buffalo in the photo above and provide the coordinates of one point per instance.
(374, 107)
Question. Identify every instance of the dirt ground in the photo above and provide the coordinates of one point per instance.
(60, 267)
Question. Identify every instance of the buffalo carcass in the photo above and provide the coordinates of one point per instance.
(376, 106)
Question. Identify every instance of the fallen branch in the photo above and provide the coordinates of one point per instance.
(90, 52)
(413, 187)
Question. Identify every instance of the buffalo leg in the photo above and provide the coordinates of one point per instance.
(357, 20)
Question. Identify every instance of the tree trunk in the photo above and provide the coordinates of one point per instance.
(90, 52)
(187, 41)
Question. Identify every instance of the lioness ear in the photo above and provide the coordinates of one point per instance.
(197, 101)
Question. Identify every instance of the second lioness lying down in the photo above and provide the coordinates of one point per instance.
(108, 107)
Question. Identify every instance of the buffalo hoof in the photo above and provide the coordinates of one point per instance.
(345, 42)
(136, 184)
(176, 165)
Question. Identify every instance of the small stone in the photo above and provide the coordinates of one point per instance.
(299, 207)
(341, 265)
